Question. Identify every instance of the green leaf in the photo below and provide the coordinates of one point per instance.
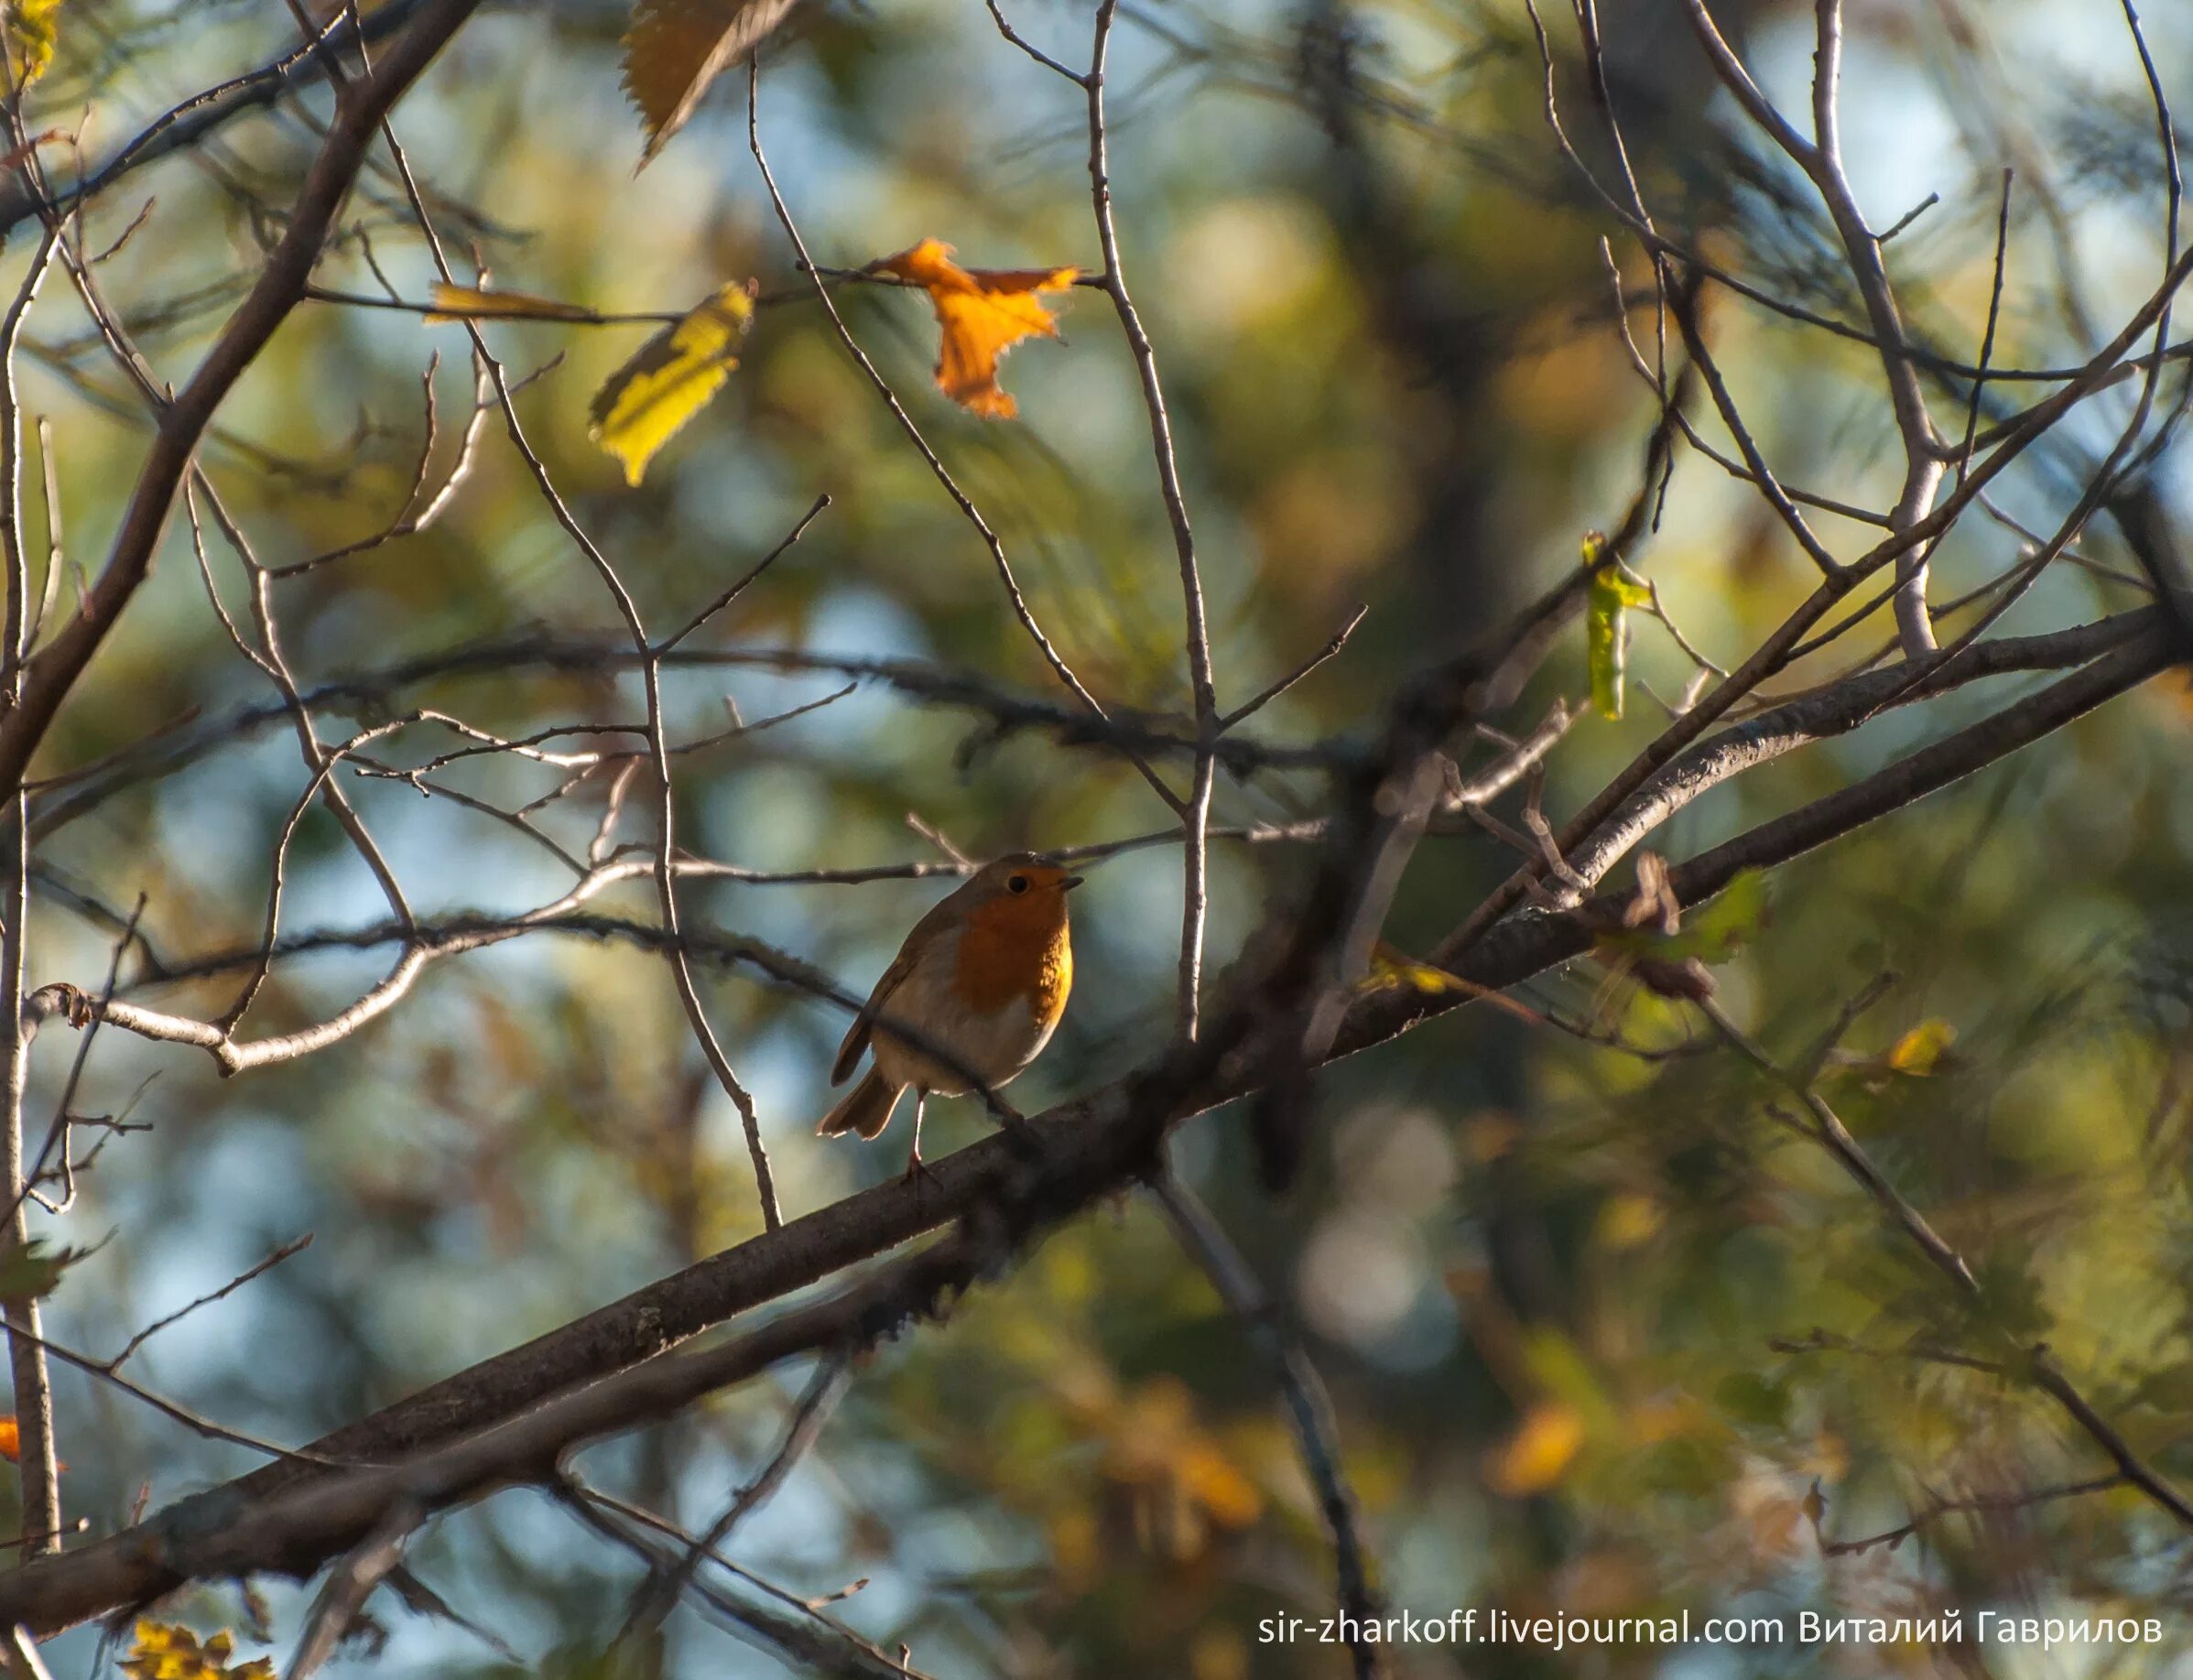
(1713, 933)
(1726, 923)
(642, 406)
(30, 1270)
(1613, 592)
(1749, 1398)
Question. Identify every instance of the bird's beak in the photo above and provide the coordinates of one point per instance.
(1071, 882)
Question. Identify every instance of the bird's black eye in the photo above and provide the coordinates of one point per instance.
(1016, 884)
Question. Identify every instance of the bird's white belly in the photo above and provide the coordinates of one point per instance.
(996, 1046)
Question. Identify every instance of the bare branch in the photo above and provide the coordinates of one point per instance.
(1308, 1408)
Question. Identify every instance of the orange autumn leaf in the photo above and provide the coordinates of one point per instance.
(11, 1442)
(1539, 1454)
(984, 313)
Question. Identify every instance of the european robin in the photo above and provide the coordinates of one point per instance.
(982, 978)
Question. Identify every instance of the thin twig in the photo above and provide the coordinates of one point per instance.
(296, 1245)
(973, 515)
(2039, 1366)
(1195, 819)
(1308, 1407)
(656, 1596)
(1279, 686)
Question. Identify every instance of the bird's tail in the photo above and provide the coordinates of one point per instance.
(866, 1108)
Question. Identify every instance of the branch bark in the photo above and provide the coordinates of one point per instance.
(293, 1514)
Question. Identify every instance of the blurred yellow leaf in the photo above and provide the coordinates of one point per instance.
(168, 1650)
(1920, 1052)
(1391, 966)
(674, 48)
(1209, 1477)
(32, 35)
(1613, 592)
(641, 405)
(984, 313)
(1218, 1652)
(1534, 1457)
(1076, 1547)
(1186, 1480)
(1628, 1220)
(472, 302)
(1490, 1135)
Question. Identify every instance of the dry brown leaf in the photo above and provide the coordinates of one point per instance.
(984, 313)
(674, 48)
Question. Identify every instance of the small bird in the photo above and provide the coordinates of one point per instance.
(982, 978)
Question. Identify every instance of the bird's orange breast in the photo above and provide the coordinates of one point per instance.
(1006, 954)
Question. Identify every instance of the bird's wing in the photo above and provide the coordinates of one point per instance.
(926, 933)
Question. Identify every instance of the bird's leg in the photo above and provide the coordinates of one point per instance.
(914, 1166)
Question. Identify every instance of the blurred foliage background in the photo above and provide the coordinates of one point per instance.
(1544, 1279)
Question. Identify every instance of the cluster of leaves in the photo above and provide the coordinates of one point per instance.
(982, 313)
(32, 29)
(168, 1650)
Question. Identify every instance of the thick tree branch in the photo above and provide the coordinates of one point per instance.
(1831, 710)
(272, 1517)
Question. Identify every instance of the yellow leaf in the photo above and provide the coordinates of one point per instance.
(1536, 1456)
(1213, 1481)
(1077, 1548)
(1391, 967)
(1613, 592)
(31, 34)
(641, 405)
(168, 1650)
(1629, 1221)
(1218, 1654)
(674, 48)
(984, 313)
(1920, 1052)
(1153, 1443)
(11, 1439)
(470, 302)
